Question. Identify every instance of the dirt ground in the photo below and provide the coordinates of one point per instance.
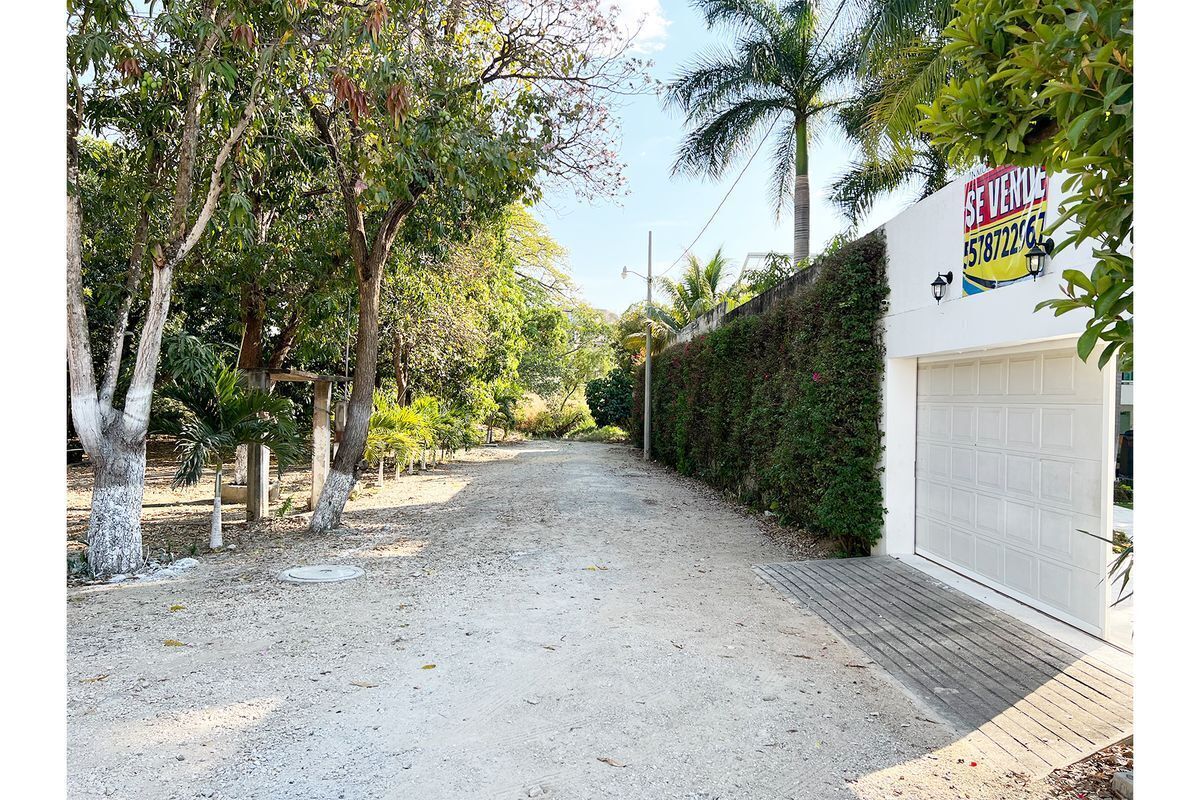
(540, 620)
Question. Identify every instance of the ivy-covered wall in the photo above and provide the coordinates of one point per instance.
(783, 407)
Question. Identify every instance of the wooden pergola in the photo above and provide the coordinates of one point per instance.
(258, 459)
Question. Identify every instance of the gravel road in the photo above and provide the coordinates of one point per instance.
(551, 620)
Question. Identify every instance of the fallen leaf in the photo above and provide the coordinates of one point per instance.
(678, 645)
(176, 608)
(429, 666)
(549, 647)
(173, 643)
(96, 679)
(801, 655)
(364, 684)
(611, 762)
(857, 666)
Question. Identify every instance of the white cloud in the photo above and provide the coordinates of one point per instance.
(646, 18)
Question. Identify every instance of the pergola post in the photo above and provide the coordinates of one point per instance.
(322, 397)
(258, 465)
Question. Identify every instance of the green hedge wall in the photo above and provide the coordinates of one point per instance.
(783, 408)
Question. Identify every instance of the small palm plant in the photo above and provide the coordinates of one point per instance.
(698, 289)
(394, 431)
(214, 413)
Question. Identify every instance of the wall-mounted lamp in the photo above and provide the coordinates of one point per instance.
(1038, 256)
(939, 285)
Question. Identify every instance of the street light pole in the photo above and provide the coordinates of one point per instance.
(649, 342)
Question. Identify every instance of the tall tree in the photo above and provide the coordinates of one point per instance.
(781, 75)
(462, 103)
(901, 66)
(175, 89)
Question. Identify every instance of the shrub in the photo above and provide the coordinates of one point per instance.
(783, 408)
(536, 419)
(610, 399)
(609, 433)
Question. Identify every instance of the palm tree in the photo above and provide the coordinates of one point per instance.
(779, 76)
(902, 66)
(698, 289)
(216, 412)
(889, 161)
(631, 328)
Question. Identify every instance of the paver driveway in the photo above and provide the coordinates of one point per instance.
(543, 620)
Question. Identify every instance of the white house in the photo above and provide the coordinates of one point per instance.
(1000, 442)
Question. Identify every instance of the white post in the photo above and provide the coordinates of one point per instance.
(322, 396)
(258, 465)
(649, 341)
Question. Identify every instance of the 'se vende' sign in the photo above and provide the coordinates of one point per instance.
(1003, 215)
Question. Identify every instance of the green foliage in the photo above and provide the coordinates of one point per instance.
(783, 408)
(778, 267)
(396, 432)
(609, 433)
(215, 412)
(1052, 85)
(699, 288)
(610, 399)
(542, 421)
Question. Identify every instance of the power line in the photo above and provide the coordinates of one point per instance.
(716, 211)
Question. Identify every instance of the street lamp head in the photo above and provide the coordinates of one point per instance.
(624, 273)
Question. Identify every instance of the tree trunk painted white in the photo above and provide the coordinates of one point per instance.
(381, 471)
(115, 438)
(215, 542)
(115, 525)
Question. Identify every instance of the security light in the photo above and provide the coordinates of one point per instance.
(1038, 256)
(939, 285)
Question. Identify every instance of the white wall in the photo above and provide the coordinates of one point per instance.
(923, 241)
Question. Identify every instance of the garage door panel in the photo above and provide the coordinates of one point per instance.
(989, 558)
(962, 424)
(1020, 523)
(962, 465)
(1023, 376)
(993, 378)
(962, 507)
(1008, 474)
(1020, 475)
(1068, 430)
(989, 470)
(1019, 571)
(989, 515)
(989, 427)
(965, 379)
(1021, 428)
(939, 501)
(1061, 536)
(940, 380)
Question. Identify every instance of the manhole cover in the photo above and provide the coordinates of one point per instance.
(322, 573)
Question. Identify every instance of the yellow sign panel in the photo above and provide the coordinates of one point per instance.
(1004, 211)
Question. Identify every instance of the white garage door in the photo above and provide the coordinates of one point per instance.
(1009, 472)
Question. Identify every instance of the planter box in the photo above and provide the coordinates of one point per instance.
(235, 493)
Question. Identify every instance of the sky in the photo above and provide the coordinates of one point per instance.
(605, 235)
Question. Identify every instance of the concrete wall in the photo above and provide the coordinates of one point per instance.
(752, 307)
(924, 240)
